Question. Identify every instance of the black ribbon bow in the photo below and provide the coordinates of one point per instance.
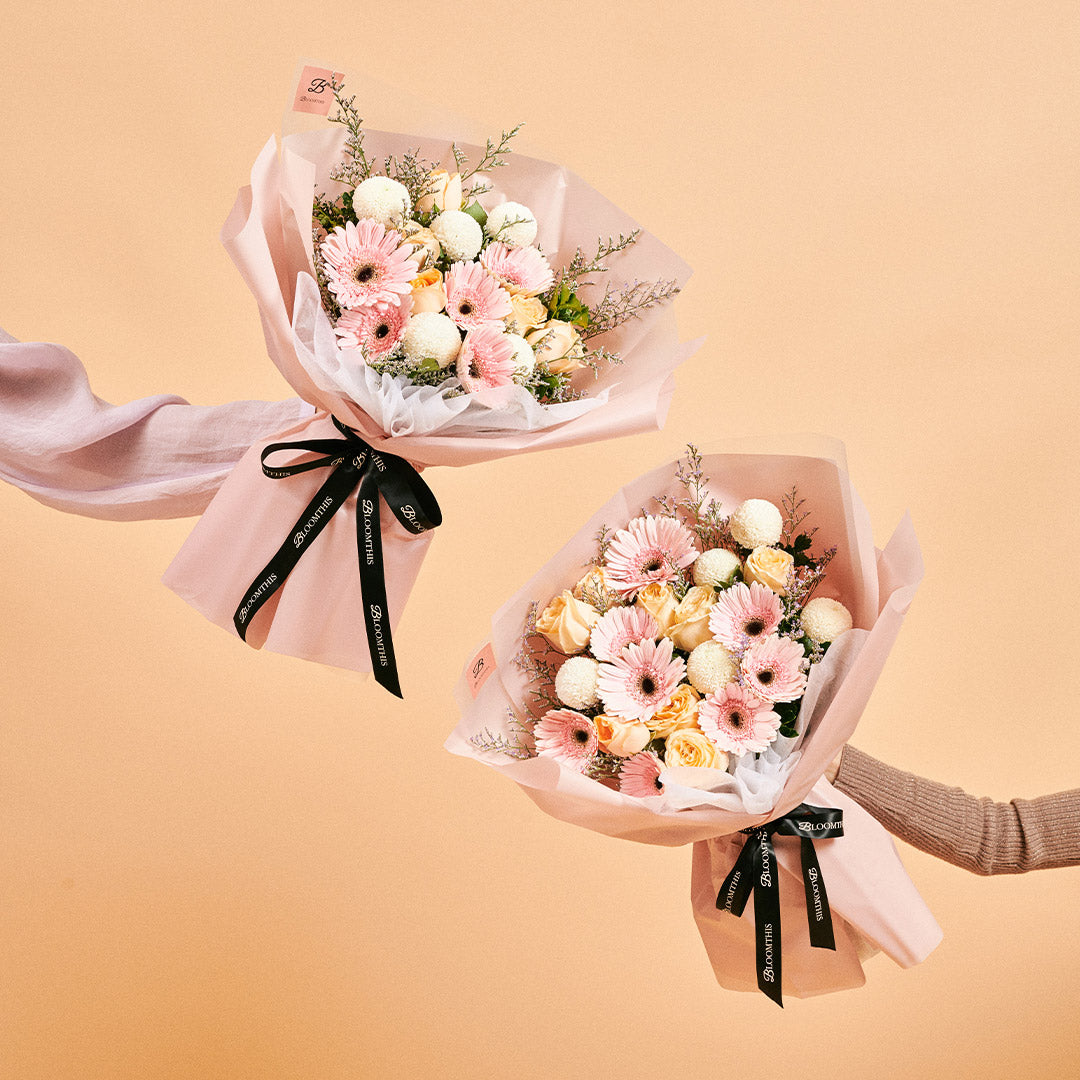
(755, 871)
(354, 465)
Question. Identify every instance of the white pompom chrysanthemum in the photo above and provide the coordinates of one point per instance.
(383, 199)
(756, 523)
(711, 667)
(430, 335)
(460, 235)
(825, 620)
(716, 567)
(575, 682)
(511, 224)
(524, 359)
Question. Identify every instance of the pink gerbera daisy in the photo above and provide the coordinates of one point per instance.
(521, 270)
(737, 721)
(366, 264)
(640, 775)
(566, 736)
(486, 359)
(773, 669)
(641, 679)
(619, 627)
(473, 297)
(375, 329)
(743, 614)
(648, 549)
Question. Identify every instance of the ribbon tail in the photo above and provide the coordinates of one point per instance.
(327, 501)
(373, 586)
(767, 920)
(818, 914)
(739, 883)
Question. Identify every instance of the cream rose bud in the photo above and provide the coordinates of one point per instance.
(567, 623)
(771, 567)
(558, 347)
(659, 601)
(623, 738)
(511, 224)
(443, 190)
(527, 312)
(428, 292)
(691, 748)
(680, 712)
(576, 682)
(825, 620)
(691, 625)
(756, 523)
(594, 587)
(425, 244)
(716, 567)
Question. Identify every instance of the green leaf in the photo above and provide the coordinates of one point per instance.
(798, 549)
(788, 711)
(476, 211)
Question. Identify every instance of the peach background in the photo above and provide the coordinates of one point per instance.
(221, 864)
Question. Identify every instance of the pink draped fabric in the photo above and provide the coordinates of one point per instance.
(155, 458)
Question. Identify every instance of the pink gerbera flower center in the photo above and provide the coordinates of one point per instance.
(486, 359)
(773, 669)
(649, 549)
(473, 297)
(641, 679)
(736, 721)
(366, 265)
(743, 614)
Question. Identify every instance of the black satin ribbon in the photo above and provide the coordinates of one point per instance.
(354, 465)
(755, 871)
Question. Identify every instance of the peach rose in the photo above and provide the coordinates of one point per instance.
(691, 625)
(426, 248)
(622, 738)
(428, 292)
(527, 313)
(659, 601)
(679, 713)
(567, 623)
(443, 191)
(558, 347)
(769, 566)
(594, 588)
(692, 748)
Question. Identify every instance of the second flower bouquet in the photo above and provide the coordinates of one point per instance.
(685, 671)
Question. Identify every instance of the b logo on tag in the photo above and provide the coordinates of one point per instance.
(315, 91)
(483, 664)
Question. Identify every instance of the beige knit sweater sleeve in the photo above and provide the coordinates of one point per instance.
(979, 835)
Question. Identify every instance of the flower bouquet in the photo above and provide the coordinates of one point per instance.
(431, 303)
(686, 673)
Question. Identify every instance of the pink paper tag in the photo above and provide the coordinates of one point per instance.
(481, 667)
(315, 91)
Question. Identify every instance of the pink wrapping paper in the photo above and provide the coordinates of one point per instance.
(268, 235)
(875, 905)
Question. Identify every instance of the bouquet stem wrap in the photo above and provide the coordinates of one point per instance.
(355, 467)
(754, 872)
(872, 902)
